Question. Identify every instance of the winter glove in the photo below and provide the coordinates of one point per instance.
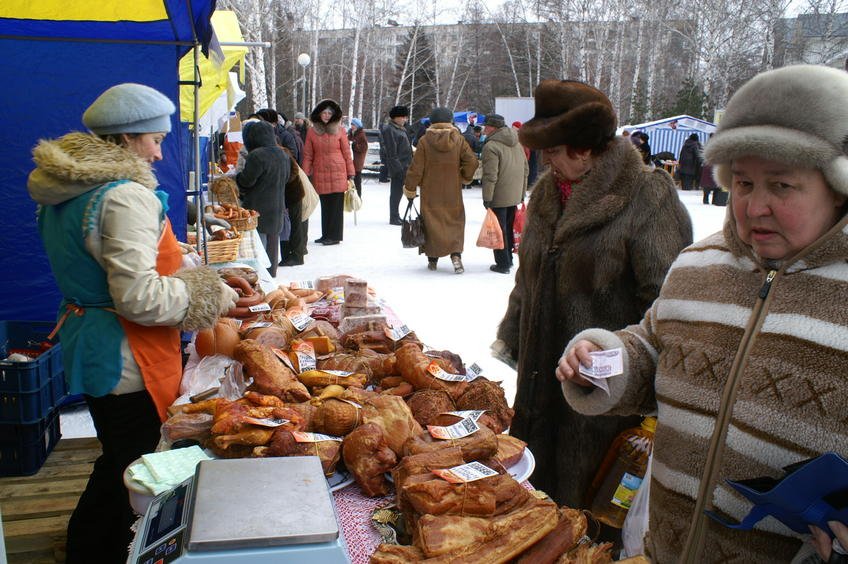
(411, 194)
(227, 299)
(486, 204)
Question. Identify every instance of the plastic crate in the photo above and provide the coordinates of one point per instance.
(29, 390)
(25, 447)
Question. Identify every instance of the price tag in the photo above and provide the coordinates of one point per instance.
(265, 421)
(259, 325)
(456, 431)
(336, 372)
(605, 364)
(259, 307)
(239, 323)
(284, 358)
(473, 372)
(437, 372)
(351, 402)
(397, 333)
(305, 355)
(464, 473)
(473, 414)
(302, 285)
(300, 320)
(302, 437)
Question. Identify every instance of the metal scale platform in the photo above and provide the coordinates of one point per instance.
(250, 511)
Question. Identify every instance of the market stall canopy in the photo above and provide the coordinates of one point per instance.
(214, 72)
(60, 56)
(668, 135)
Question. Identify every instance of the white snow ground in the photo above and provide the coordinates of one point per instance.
(447, 311)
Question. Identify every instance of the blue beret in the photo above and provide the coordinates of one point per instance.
(356, 122)
(129, 108)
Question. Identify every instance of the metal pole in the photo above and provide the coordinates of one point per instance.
(305, 105)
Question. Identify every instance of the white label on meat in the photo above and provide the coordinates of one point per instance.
(473, 372)
(265, 421)
(456, 431)
(259, 325)
(284, 358)
(473, 414)
(336, 372)
(437, 372)
(300, 320)
(302, 437)
(397, 333)
(239, 323)
(305, 356)
(463, 473)
(353, 403)
(259, 307)
(302, 285)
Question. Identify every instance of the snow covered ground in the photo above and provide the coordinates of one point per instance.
(447, 311)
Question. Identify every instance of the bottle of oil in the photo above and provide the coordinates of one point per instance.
(621, 473)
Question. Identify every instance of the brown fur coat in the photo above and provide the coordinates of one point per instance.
(600, 263)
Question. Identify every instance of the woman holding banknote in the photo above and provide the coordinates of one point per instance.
(743, 353)
(601, 232)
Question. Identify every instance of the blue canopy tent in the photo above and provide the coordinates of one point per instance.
(60, 56)
(669, 134)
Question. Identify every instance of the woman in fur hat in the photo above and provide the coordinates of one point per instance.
(744, 352)
(327, 160)
(601, 231)
(117, 264)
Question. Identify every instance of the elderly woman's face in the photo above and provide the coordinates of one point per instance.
(148, 146)
(780, 209)
(567, 163)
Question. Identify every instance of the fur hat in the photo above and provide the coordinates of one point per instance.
(399, 111)
(796, 115)
(315, 116)
(441, 115)
(569, 112)
(495, 120)
(129, 108)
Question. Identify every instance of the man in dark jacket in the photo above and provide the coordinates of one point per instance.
(262, 184)
(398, 154)
(689, 163)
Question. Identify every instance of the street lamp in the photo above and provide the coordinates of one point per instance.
(303, 60)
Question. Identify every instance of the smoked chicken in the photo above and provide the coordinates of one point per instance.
(270, 376)
(413, 364)
(393, 416)
(368, 457)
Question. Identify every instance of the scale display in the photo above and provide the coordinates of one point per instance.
(164, 526)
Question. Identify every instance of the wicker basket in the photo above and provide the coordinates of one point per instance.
(245, 223)
(223, 251)
(226, 191)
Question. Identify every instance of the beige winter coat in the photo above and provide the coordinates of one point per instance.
(442, 163)
(504, 169)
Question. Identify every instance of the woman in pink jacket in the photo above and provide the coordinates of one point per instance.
(328, 162)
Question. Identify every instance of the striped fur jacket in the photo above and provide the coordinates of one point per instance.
(747, 365)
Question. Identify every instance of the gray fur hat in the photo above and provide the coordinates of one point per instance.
(797, 115)
(129, 108)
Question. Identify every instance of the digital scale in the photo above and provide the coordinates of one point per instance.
(249, 510)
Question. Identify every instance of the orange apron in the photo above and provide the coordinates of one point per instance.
(157, 349)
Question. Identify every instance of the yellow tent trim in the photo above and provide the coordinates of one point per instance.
(215, 78)
(84, 10)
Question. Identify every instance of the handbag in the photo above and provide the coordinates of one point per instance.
(352, 201)
(491, 236)
(310, 196)
(412, 228)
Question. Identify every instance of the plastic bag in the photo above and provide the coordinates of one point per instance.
(518, 226)
(352, 201)
(412, 228)
(636, 523)
(310, 196)
(491, 236)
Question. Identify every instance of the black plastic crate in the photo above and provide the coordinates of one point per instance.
(25, 447)
(28, 336)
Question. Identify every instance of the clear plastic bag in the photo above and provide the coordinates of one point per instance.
(636, 523)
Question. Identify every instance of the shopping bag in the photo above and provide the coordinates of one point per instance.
(412, 228)
(310, 196)
(518, 226)
(491, 236)
(352, 201)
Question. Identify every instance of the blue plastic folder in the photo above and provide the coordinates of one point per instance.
(813, 492)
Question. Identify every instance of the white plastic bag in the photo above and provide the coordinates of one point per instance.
(636, 523)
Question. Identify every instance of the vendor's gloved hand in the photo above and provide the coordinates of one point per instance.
(227, 299)
(486, 204)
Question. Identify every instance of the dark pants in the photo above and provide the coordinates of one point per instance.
(506, 217)
(296, 245)
(395, 195)
(99, 529)
(272, 246)
(357, 181)
(688, 181)
(332, 216)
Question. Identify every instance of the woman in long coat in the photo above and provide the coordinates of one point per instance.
(442, 163)
(327, 160)
(601, 232)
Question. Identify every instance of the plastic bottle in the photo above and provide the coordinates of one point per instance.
(621, 473)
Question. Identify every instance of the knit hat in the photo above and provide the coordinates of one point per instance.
(495, 120)
(569, 112)
(129, 108)
(796, 115)
(299, 115)
(356, 122)
(399, 111)
(441, 115)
